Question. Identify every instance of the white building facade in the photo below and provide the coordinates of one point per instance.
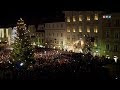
(5, 36)
(55, 35)
(32, 30)
(40, 35)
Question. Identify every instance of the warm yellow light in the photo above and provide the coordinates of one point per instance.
(6, 32)
(82, 43)
(88, 18)
(68, 29)
(76, 42)
(68, 19)
(9, 41)
(34, 43)
(69, 48)
(2, 33)
(80, 29)
(96, 29)
(80, 18)
(96, 17)
(88, 29)
(95, 44)
(73, 29)
(74, 19)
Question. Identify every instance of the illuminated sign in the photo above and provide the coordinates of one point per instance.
(107, 16)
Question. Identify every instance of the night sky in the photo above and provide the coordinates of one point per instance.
(36, 12)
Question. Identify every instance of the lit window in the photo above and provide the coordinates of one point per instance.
(68, 29)
(80, 29)
(2, 33)
(95, 44)
(88, 18)
(88, 29)
(96, 17)
(80, 17)
(6, 32)
(68, 19)
(73, 29)
(96, 29)
(74, 19)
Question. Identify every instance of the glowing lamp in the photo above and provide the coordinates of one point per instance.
(21, 64)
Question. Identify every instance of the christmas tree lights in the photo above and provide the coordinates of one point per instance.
(22, 49)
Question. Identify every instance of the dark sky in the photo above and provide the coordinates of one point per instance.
(35, 12)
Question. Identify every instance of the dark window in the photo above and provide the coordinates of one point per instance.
(53, 25)
(42, 40)
(117, 23)
(109, 24)
(57, 42)
(61, 42)
(116, 35)
(107, 34)
(107, 47)
(92, 39)
(115, 48)
(49, 25)
(57, 25)
(68, 38)
(42, 34)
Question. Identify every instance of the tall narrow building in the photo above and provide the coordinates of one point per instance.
(111, 35)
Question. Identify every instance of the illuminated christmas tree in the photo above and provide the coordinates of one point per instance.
(22, 49)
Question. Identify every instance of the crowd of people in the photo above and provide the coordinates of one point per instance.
(55, 64)
(50, 56)
(4, 56)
